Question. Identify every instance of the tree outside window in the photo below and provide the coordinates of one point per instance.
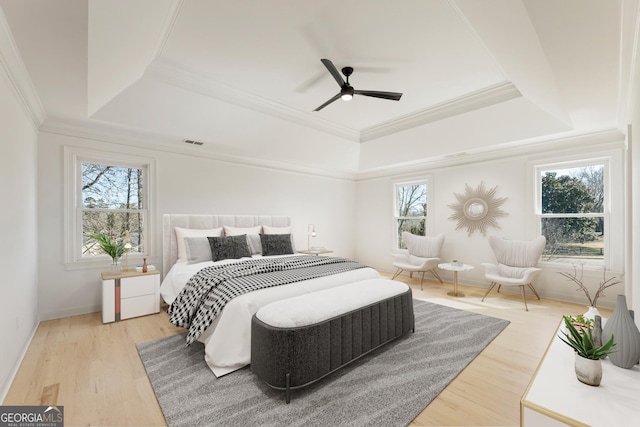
(572, 213)
(112, 199)
(410, 210)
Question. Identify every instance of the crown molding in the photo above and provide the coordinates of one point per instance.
(168, 73)
(566, 141)
(128, 137)
(485, 97)
(12, 69)
(131, 137)
(171, 74)
(172, 16)
(106, 132)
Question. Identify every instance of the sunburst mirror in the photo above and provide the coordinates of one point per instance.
(477, 209)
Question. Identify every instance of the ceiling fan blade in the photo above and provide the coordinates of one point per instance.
(394, 96)
(334, 71)
(311, 81)
(335, 98)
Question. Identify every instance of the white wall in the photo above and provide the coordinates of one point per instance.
(634, 212)
(512, 175)
(185, 184)
(18, 251)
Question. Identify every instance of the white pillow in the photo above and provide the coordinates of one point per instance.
(253, 236)
(238, 231)
(267, 229)
(181, 233)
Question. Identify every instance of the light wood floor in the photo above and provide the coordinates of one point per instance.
(94, 370)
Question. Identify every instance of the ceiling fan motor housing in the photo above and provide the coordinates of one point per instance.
(347, 91)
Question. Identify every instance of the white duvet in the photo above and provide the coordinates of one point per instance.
(228, 340)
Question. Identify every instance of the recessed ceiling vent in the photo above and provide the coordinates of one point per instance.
(192, 142)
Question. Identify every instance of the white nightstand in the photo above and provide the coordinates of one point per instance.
(129, 294)
(318, 252)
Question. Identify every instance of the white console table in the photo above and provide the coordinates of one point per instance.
(555, 397)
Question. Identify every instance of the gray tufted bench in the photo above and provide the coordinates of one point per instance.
(299, 340)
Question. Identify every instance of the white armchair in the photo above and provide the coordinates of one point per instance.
(423, 254)
(517, 260)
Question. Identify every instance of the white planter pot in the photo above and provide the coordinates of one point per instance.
(588, 371)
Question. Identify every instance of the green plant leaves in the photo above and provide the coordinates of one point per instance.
(115, 249)
(582, 341)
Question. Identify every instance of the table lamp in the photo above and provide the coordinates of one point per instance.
(311, 232)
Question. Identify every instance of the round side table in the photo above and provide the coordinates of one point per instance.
(455, 268)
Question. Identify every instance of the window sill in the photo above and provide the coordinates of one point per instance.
(102, 263)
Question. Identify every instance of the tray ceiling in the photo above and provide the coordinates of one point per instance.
(245, 76)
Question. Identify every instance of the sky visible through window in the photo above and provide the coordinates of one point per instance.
(112, 202)
(111, 187)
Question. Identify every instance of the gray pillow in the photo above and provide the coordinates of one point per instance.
(198, 249)
(254, 244)
(229, 247)
(276, 244)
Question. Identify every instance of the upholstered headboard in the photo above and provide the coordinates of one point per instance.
(170, 221)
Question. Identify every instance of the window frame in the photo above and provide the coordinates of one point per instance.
(74, 158)
(613, 177)
(428, 227)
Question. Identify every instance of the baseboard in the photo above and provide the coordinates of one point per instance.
(4, 388)
(563, 294)
(52, 315)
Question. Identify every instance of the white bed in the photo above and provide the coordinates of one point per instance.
(228, 339)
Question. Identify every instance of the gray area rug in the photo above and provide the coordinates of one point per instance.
(388, 387)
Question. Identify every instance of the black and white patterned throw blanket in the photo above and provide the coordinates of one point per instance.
(210, 289)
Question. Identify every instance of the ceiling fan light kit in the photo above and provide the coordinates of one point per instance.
(347, 91)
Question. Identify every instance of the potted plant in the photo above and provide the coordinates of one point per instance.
(114, 248)
(588, 365)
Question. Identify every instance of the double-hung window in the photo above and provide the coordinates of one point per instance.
(410, 209)
(106, 193)
(573, 211)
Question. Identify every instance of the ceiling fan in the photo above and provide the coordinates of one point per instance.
(347, 91)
